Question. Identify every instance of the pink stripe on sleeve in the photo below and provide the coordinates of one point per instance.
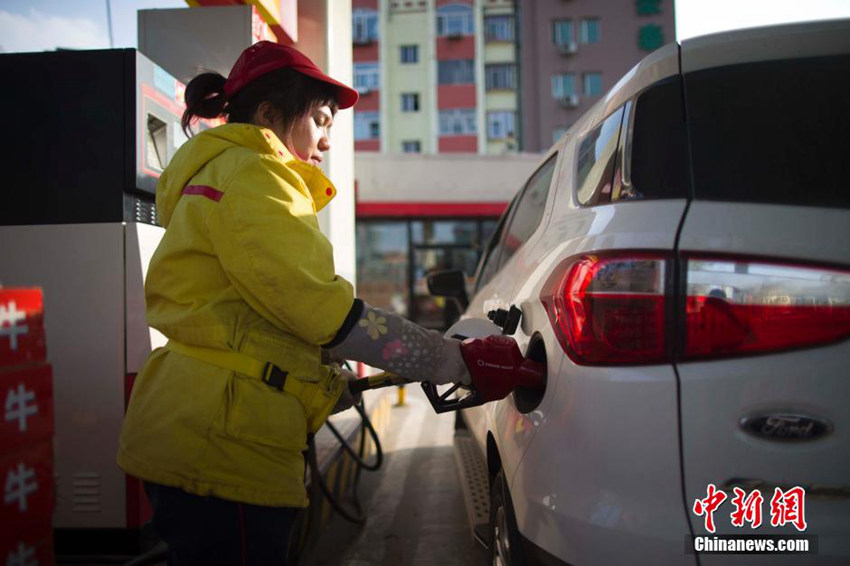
(203, 190)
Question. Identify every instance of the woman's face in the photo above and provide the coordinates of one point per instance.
(308, 138)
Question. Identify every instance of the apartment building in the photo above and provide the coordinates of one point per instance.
(573, 51)
(435, 76)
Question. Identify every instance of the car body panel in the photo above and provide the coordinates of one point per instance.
(804, 234)
(792, 41)
(601, 476)
(717, 394)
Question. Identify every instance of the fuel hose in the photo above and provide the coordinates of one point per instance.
(357, 515)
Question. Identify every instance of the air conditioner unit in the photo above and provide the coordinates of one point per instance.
(363, 90)
(568, 48)
(455, 35)
(570, 101)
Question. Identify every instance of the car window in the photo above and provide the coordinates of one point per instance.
(771, 131)
(489, 265)
(597, 155)
(529, 209)
(653, 158)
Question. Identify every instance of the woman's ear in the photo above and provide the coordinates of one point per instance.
(266, 115)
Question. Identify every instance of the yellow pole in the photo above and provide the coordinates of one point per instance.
(400, 396)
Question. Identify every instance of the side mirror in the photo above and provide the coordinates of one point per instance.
(450, 284)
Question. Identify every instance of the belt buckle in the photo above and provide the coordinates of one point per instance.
(274, 377)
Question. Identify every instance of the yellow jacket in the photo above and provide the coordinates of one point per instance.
(242, 267)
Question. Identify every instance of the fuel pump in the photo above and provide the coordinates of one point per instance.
(79, 220)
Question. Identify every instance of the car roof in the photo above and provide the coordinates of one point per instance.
(769, 43)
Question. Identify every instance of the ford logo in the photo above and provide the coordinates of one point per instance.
(786, 427)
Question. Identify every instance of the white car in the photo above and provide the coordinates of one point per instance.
(681, 259)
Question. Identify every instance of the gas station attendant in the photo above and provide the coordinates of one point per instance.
(243, 286)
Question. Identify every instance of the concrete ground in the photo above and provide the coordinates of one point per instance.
(414, 503)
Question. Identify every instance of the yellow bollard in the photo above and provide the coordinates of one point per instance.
(400, 396)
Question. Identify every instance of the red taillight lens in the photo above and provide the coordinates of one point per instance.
(738, 307)
(610, 310)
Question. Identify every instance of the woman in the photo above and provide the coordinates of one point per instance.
(243, 285)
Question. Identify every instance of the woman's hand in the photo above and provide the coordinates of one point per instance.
(347, 399)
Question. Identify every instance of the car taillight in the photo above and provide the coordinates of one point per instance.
(738, 307)
(613, 309)
(610, 309)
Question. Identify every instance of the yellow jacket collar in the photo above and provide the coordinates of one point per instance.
(320, 187)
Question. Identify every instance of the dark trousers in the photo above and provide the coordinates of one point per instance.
(213, 532)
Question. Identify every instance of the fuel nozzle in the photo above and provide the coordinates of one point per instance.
(497, 367)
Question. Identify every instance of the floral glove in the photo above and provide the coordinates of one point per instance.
(393, 343)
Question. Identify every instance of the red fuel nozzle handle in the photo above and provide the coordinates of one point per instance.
(497, 367)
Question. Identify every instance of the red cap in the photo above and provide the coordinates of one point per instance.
(265, 56)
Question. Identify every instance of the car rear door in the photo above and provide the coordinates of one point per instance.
(765, 263)
(495, 282)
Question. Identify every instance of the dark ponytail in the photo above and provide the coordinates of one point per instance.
(205, 98)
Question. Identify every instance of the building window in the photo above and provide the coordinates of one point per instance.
(411, 146)
(364, 26)
(563, 85)
(648, 7)
(588, 31)
(592, 84)
(410, 102)
(455, 20)
(367, 126)
(366, 77)
(499, 28)
(650, 37)
(457, 122)
(500, 77)
(456, 71)
(563, 32)
(500, 125)
(409, 54)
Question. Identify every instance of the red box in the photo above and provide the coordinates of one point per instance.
(27, 544)
(26, 405)
(26, 477)
(21, 327)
